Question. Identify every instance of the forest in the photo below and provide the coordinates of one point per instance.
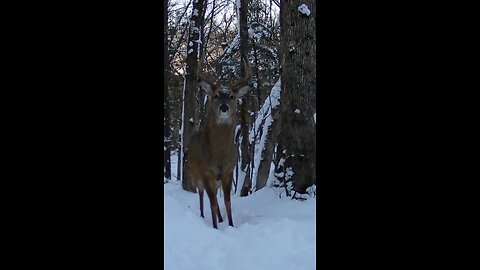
(269, 48)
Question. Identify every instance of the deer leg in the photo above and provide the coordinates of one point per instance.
(213, 206)
(200, 194)
(226, 195)
(220, 219)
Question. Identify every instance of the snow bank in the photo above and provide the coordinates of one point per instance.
(269, 233)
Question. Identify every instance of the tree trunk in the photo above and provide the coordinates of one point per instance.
(245, 106)
(166, 105)
(191, 113)
(298, 92)
(267, 153)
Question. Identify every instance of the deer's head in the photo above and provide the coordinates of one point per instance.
(223, 99)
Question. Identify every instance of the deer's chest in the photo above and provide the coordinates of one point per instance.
(222, 159)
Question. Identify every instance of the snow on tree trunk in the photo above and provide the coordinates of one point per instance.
(297, 135)
(268, 140)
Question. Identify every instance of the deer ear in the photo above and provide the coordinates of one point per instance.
(205, 86)
(241, 91)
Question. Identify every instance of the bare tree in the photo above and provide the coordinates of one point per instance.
(246, 104)
(268, 151)
(297, 138)
(166, 105)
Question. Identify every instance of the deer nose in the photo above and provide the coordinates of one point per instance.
(223, 108)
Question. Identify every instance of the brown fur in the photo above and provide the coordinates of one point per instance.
(212, 153)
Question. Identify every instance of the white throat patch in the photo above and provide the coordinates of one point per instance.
(224, 118)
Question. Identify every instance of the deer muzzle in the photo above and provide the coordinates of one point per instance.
(223, 108)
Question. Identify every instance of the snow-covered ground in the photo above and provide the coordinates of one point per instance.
(269, 233)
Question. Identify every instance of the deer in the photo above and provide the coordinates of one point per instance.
(212, 153)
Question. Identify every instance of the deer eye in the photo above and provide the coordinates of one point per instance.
(215, 96)
(231, 97)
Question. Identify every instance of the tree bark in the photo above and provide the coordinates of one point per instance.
(298, 106)
(166, 120)
(191, 114)
(267, 153)
(245, 106)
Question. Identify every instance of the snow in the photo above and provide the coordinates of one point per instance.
(264, 115)
(190, 44)
(289, 173)
(315, 117)
(173, 165)
(238, 4)
(269, 233)
(312, 190)
(304, 9)
(251, 32)
(199, 41)
(297, 111)
(190, 51)
(224, 89)
(255, 30)
(233, 46)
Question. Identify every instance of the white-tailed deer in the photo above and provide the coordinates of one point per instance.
(212, 154)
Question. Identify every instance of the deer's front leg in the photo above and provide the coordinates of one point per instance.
(227, 186)
(213, 206)
(220, 219)
(200, 194)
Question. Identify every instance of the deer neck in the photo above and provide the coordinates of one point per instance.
(220, 134)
